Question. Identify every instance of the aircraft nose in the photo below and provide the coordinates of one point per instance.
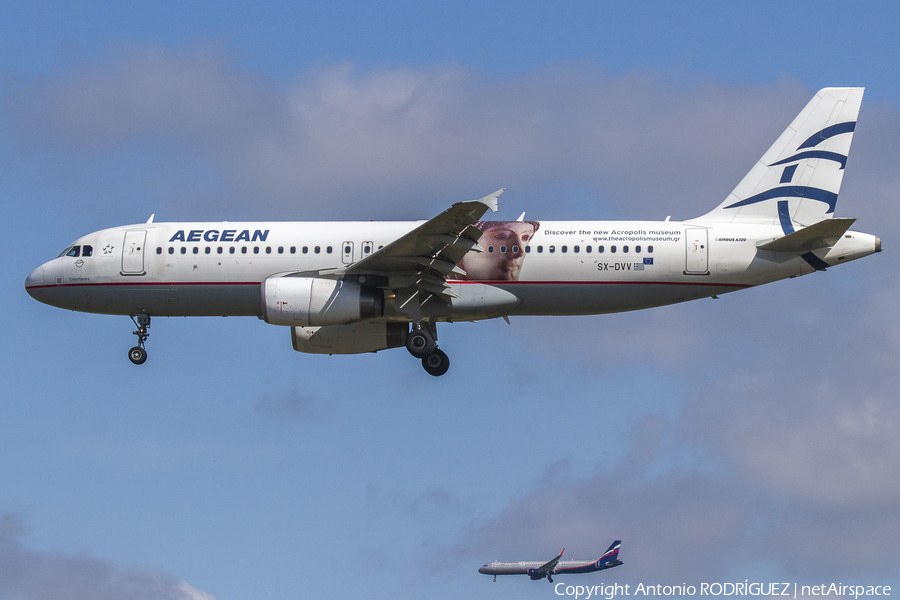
(483, 569)
(34, 281)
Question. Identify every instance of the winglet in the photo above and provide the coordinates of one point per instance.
(491, 200)
(150, 220)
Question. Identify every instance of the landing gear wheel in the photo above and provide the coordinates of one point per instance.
(137, 355)
(419, 343)
(437, 363)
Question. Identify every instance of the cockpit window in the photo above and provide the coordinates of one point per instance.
(87, 250)
(74, 251)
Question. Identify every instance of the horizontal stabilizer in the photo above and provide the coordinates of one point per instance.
(823, 234)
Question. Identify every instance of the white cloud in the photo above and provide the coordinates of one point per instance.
(27, 574)
(420, 138)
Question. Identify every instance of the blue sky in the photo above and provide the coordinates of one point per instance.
(749, 437)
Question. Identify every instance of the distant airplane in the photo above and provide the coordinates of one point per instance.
(352, 287)
(538, 570)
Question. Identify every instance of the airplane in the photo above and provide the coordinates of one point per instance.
(354, 287)
(538, 570)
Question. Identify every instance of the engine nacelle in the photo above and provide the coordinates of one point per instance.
(536, 574)
(312, 301)
(352, 338)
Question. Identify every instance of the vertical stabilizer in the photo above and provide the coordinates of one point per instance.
(796, 182)
(610, 556)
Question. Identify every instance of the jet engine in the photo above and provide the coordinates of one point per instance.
(312, 301)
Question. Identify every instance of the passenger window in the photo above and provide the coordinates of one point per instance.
(540, 249)
(565, 248)
(650, 249)
(318, 249)
(328, 249)
(231, 250)
(624, 248)
(74, 252)
(576, 249)
(637, 249)
(280, 249)
(158, 250)
(552, 249)
(347, 249)
(502, 249)
(196, 250)
(268, 249)
(171, 250)
(219, 250)
(255, 249)
(587, 249)
(600, 249)
(527, 249)
(612, 249)
(87, 250)
(183, 250)
(243, 249)
(208, 249)
(491, 249)
(305, 249)
(293, 249)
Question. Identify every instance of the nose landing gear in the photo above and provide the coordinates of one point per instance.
(421, 343)
(138, 355)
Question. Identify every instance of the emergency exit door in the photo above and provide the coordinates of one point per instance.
(347, 256)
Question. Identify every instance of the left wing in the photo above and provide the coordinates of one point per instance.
(417, 264)
(550, 566)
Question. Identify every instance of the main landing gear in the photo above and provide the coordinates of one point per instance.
(421, 343)
(138, 355)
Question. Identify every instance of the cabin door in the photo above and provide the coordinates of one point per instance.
(133, 252)
(697, 247)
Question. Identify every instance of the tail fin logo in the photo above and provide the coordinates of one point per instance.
(801, 191)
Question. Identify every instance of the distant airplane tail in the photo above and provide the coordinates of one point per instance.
(796, 182)
(610, 558)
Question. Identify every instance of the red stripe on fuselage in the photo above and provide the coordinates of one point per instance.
(487, 282)
(144, 283)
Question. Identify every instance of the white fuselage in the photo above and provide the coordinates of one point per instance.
(566, 268)
(524, 567)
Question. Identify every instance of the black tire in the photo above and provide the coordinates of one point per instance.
(137, 355)
(419, 343)
(437, 363)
